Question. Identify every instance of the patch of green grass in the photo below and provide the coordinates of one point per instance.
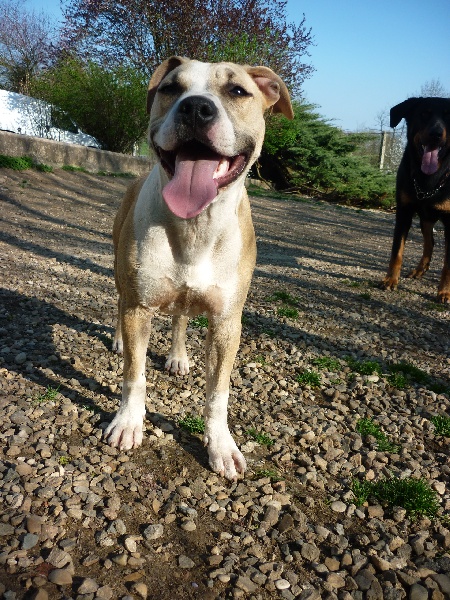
(398, 380)
(199, 322)
(44, 168)
(441, 425)
(125, 175)
(192, 424)
(414, 495)
(284, 297)
(261, 438)
(260, 359)
(74, 169)
(365, 296)
(49, 395)
(368, 427)
(326, 362)
(309, 378)
(287, 311)
(367, 367)
(439, 388)
(270, 473)
(437, 306)
(64, 460)
(18, 163)
(410, 371)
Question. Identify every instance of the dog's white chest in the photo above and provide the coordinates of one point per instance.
(189, 268)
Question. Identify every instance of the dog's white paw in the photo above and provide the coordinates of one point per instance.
(177, 365)
(225, 458)
(126, 430)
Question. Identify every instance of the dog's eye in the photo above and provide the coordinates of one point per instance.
(237, 90)
(171, 88)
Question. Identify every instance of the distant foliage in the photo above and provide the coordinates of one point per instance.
(310, 156)
(142, 34)
(108, 103)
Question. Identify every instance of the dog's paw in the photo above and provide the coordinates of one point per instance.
(125, 431)
(177, 365)
(443, 297)
(418, 272)
(389, 283)
(225, 458)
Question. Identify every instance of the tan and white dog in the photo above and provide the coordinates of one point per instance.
(184, 239)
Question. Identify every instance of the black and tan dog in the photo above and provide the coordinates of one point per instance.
(423, 185)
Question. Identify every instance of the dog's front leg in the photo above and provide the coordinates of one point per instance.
(221, 347)
(428, 245)
(126, 429)
(403, 220)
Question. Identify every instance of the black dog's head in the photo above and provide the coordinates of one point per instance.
(428, 122)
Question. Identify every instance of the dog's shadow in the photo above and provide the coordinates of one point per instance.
(46, 369)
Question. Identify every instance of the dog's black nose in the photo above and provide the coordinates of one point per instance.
(436, 132)
(197, 111)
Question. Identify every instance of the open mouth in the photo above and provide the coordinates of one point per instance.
(196, 174)
(430, 158)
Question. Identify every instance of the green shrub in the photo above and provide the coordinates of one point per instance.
(17, 163)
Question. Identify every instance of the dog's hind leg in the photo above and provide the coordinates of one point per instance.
(177, 362)
(221, 347)
(126, 429)
(428, 245)
(444, 284)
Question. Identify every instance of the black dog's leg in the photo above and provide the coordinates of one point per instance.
(403, 220)
(428, 245)
(444, 284)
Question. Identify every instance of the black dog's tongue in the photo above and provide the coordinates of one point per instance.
(192, 187)
(430, 162)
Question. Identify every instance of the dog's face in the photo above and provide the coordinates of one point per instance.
(428, 121)
(207, 126)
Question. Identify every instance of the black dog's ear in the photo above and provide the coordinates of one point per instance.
(402, 111)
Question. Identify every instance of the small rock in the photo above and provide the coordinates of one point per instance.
(418, 592)
(140, 589)
(29, 541)
(60, 577)
(88, 586)
(246, 584)
(184, 562)
(153, 532)
(282, 584)
(338, 506)
(188, 525)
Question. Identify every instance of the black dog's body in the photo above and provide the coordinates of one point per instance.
(423, 185)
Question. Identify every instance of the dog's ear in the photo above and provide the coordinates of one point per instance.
(274, 90)
(164, 69)
(402, 111)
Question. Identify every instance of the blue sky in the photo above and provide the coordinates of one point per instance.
(369, 54)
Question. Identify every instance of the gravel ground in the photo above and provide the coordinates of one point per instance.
(82, 520)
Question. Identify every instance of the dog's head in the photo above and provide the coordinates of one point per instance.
(428, 122)
(207, 126)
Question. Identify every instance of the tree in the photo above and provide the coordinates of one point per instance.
(143, 33)
(434, 88)
(311, 156)
(106, 103)
(25, 44)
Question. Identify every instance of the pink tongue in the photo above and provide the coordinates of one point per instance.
(192, 187)
(430, 161)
